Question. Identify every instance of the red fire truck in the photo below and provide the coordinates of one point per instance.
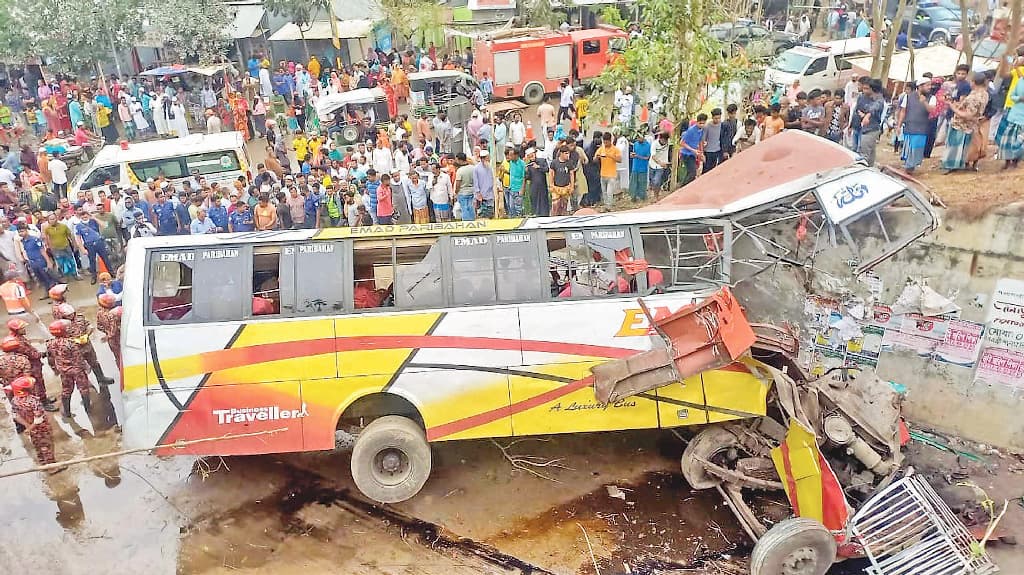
(529, 63)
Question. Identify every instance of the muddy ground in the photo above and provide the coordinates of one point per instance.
(300, 513)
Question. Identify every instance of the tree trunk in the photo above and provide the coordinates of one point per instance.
(965, 34)
(1016, 13)
(305, 43)
(877, 25)
(910, 49)
(890, 45)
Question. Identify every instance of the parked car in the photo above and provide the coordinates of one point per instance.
(756, 40)
(938, 24)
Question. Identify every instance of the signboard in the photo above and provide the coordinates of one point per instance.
(1001, 367)
(1005, 317)
(854, 194)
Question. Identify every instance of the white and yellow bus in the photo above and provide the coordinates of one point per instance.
(420, 333)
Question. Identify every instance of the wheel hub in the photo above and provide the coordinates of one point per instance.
(802, 561)
(391, 461)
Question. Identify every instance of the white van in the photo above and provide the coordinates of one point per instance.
(219, 157)
(821, 65)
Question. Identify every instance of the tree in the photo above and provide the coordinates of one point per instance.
(890, 45)
(411, 17)
(302, 13)
(16, 42)
(542, 14)
(203, 39)
(967, 48)
(674, 57)
(82, 33)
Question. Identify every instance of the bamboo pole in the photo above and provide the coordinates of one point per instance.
(175, 445)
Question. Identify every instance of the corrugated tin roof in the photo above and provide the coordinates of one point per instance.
(247, 20)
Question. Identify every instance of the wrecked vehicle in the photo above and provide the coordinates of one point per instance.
(424, 333)
(832, 444)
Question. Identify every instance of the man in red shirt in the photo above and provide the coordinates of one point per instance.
(364, 293)
(385, 208)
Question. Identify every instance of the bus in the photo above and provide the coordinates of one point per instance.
(411, 333)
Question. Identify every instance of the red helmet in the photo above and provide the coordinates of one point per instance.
(10, 343)
(22, 385)
(58, 291)
(64, 311)
(107, 300)
(60, 327)
(16, 324)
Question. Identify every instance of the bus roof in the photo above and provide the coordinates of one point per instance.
(194, 144)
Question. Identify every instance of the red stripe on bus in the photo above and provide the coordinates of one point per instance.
(459, 425)
(787, 466)
(262, 353)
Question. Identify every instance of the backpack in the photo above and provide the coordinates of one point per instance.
(993, 106)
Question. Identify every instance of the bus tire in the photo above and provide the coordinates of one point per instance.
(703, 447)
(797, 546)
(533, 93)
(391, 459)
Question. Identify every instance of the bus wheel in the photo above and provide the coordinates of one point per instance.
(533, 94)
(707, 445)
(797, 546)
(391, 459)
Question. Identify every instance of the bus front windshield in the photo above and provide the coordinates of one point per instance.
(791, 62)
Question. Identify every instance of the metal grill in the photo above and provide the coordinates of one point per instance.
(907, 529)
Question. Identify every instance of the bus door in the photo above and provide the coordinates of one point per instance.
(589, 293)
(220, 369)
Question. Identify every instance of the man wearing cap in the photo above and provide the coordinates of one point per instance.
(483, 186)
(18, 330)
(165, 215)
(34, 251)
(64, 355)
(913, 118)
(15, 297)
(90, 240)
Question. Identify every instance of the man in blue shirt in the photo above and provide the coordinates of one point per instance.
(141, 205)
(38, 260)
(483, 186)
(638, 165)
(202, 224)
(372, 183)
(218, 214)
(692, 138)
(312, 207)
(166, 216)
(89, 239)
(181, 208)
(241, 219)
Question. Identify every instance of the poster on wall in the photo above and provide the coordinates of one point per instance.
(882, 317)
(1001, 367)
(961, 344)
(1005, 317)
(928, 327)
(896, 339)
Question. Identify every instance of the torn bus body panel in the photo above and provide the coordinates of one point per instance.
(706, 335)
(785, 203)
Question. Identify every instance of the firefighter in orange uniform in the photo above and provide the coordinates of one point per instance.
(108, 320)
(19, 328)
(64, 355)
(29, 413)
(80, 331)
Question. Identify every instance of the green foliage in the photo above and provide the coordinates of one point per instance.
(407, 18)
(300, 12)
(541, 13)
(202, 39)
(674, 56)
(16, 43)
(612, 16)
(78, 33)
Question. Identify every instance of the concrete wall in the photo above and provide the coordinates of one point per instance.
(962, 260)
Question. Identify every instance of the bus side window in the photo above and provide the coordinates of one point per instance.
(418, 281)
(217, 284)
(590, 263)
(374, 272)
(515, 257)
(683, 257)
(472, 270)
(319, 277)
(170, 286)
(268, 271)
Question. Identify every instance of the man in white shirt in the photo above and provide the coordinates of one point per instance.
(517, 131)
(625, 106)
(565, 101)
(382, 159)
(658, 165)
(59, 176)
(426, 64)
